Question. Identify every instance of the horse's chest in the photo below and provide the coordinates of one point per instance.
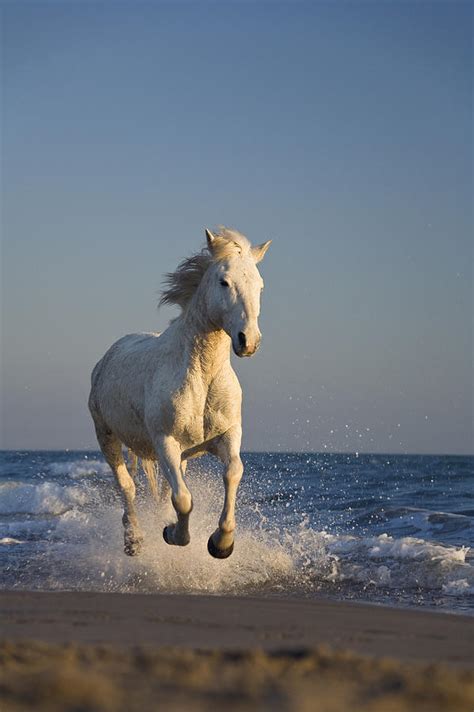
(218, 414)
(200, 414)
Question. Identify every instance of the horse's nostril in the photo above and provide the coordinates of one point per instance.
(242, 340)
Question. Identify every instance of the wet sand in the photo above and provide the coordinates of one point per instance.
(95, 651)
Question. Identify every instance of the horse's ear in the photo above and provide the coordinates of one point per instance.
(210, 239)
(258, 251)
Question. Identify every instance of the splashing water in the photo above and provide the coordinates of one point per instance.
(307, 525)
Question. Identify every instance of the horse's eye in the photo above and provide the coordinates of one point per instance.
(224, 282)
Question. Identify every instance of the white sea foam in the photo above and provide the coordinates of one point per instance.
(459, 587)
(426, 522)
(8, 540)
(389, 547)
(45, 498)
(80, 468)
(401, 563)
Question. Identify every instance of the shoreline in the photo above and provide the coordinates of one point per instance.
(238, 623)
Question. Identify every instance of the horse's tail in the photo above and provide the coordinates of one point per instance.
(149, 467)
(132, 462)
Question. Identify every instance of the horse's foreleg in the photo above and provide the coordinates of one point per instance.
(221, 542)
(168, 452)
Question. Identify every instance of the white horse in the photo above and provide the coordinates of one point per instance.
(172, 396)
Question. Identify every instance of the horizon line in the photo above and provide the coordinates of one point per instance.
(354, 453)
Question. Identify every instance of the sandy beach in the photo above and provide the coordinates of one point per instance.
(95, 651)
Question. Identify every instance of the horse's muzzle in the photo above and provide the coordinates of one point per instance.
(243, 347)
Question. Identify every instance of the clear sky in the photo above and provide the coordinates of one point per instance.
(341, 130)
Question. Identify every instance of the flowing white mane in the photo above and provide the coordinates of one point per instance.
(181, 284)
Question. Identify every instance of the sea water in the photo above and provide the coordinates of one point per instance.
(395, 529)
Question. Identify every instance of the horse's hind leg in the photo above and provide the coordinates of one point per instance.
(112, 449)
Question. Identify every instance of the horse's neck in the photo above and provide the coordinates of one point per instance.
(204, 348)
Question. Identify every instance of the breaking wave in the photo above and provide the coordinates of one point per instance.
(46, 498)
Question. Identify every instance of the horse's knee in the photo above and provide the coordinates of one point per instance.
(234, 471)
(236, 465)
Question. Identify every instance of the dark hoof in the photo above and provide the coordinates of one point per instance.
(219, 553)
(166, 537)
(170, 538)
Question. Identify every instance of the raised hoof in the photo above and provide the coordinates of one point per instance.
(168, 537)
(165, 536)
(219, 553)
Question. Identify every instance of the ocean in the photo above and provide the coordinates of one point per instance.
(392, 529)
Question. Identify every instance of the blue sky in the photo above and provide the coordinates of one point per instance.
(340, 130)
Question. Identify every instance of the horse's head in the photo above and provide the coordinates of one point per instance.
(234, 288)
